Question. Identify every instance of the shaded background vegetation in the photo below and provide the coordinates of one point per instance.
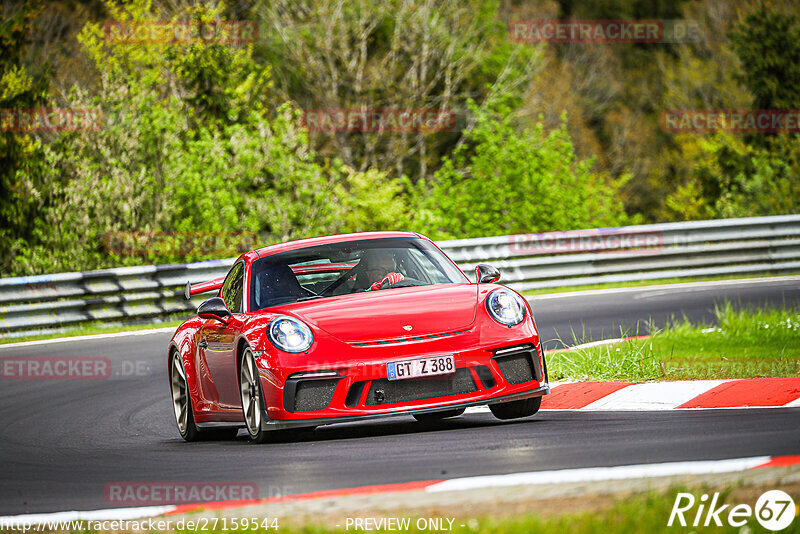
(209, 137)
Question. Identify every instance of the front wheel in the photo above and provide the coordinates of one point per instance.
(252, 406)
(516, 409)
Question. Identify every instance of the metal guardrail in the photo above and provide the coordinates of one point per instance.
(47, 303)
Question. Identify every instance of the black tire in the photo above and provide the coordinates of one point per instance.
(516, 409)
(252, 398)
(437, 416)
(181, 399)
(182, 407)
(253, 407)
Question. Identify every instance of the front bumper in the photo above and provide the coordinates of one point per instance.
(274, 424)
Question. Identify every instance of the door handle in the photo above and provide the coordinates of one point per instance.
(203, 344)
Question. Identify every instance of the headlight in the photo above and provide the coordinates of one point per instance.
(290, 334)
(505, 307)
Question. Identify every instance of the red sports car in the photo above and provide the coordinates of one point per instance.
(350, 327)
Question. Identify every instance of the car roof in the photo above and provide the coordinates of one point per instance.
(325, 240)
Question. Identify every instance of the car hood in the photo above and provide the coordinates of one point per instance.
(393, 314)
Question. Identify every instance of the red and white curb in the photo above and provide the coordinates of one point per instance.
(746, 393)
(777, 392)
(591, 474)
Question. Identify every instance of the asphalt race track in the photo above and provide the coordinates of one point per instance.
(63, 441)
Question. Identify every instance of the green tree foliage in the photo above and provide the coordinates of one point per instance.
(23, 191)
(209, 137)
(731, 178)
(733, 175)
(192, 141)
(767, 43)
(505, 181)
(618, 90)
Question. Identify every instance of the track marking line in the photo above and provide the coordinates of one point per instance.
(659, 287)
(588, 474)
(675, 287)
(90, 337)
(595, 474)
(402, 487)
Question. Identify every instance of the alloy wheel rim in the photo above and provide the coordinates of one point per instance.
(180, 399)
(251, 397)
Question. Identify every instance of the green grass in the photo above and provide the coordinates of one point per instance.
(642, 514)
(746, 343)
(93, 328)
(644, 283)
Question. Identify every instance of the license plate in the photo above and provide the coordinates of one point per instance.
(437, 365)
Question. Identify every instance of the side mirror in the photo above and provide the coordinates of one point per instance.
(214, 308)
(486, 273)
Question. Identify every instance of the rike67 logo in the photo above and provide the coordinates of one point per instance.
(774, 510)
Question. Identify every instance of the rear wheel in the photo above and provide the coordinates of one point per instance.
(182, 406)
(516, 409)
(438, 416)
(181, 400)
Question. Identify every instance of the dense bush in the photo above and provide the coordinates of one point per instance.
(507, 180)
(179, 155)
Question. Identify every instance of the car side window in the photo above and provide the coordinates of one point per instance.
(232, 289)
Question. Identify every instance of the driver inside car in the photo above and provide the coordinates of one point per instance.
(380, 269)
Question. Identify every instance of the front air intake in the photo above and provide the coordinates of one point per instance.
(519, 366)
(309, 393)
(314, 395)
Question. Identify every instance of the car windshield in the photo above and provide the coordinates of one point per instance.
(348, 267)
